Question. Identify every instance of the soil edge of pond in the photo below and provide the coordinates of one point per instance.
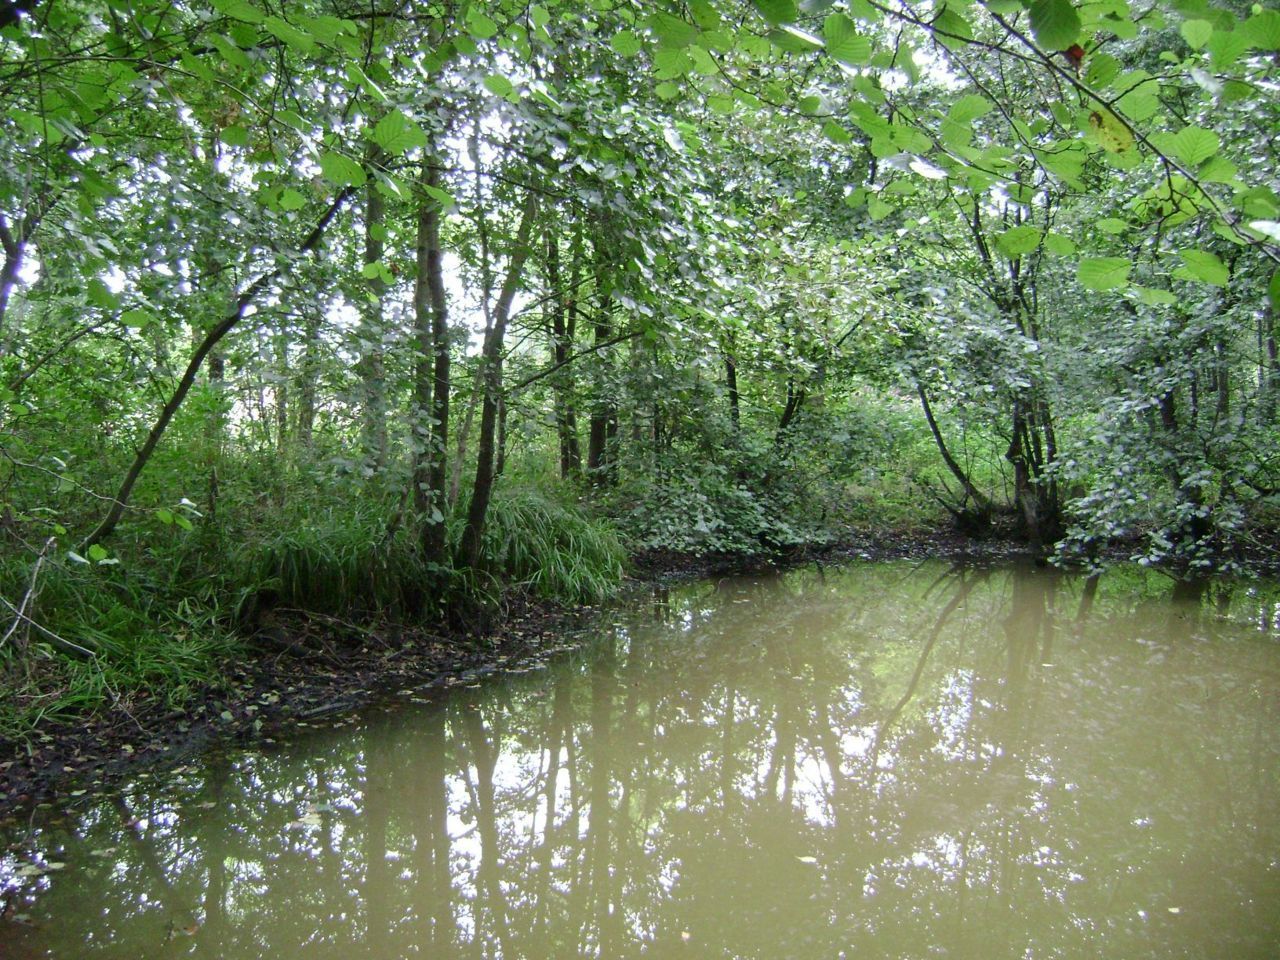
(307, 667)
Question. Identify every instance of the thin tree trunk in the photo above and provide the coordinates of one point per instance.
(561, 327)
(464, 435)
(372, 363)
(731, 381)
(490, 383)
(432, 376)
(8, 277)
(603, 414)
(211, 340)
(980, 501)
(310, 370)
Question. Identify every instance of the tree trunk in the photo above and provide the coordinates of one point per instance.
(372, 364)
(981, 505)
(309, 375)
(431, 376)
(490, 383)
(731, 381)
(562, 323)
(604, 416)
(211, 340)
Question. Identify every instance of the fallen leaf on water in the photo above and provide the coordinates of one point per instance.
(807, 859)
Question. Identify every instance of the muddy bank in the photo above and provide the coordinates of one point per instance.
(304, 669)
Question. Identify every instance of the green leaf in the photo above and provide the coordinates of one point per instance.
(499, 85)
(1103, 68)
(1059, 245)
(843, 41)
(1055, 23)
(1106, 130)
(1226, 47)
(291, 199)
(1273, 290)
(97, 552)
(342, 170)
(951, 28)
(291, 35)
(395, 133)
(1202, 266)
(165, 516)
(136, 318)
(230, 52)
(101, 296)
(235, 136)
(442, 197)
(1194, 145)
(1196, 32)
(480, 26)
(1018, 241)
(239, 10)
(1153, 297)
(969, 108)
(794, 40)
(1262, 30)
(836, 133)
(1103, 273)
(1112, 225)
(625, 43)
(778, 11)
(672, 31)
(182, 522)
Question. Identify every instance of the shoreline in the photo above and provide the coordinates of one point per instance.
(311, 666)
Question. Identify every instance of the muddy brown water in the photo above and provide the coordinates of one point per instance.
(884, 760)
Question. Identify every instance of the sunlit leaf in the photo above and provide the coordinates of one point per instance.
(1055, 23)
(1107, 130)
(1196, 32)
(626, 43)
(291, 35)
(1019, 240)
(1262, 30)
(843, 40)
(1103, 273)
(342, 170)
(480, 26)
(1202, 266)
(778, 11)
(499, 85)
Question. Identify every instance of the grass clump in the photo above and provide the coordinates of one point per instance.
(552, 548)
(105, 640)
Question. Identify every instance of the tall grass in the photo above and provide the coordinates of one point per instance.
(351, 561)
(142, 646)
(552, 548)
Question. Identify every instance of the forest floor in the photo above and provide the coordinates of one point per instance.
(305, 667)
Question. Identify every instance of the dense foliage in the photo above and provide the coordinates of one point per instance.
(372, 307)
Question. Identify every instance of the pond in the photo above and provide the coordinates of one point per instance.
(881, 760)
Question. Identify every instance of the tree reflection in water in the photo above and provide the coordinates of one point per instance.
(887, 760)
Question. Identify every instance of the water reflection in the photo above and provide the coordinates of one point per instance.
(888, 760)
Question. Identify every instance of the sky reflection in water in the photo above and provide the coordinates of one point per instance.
(887, 760)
